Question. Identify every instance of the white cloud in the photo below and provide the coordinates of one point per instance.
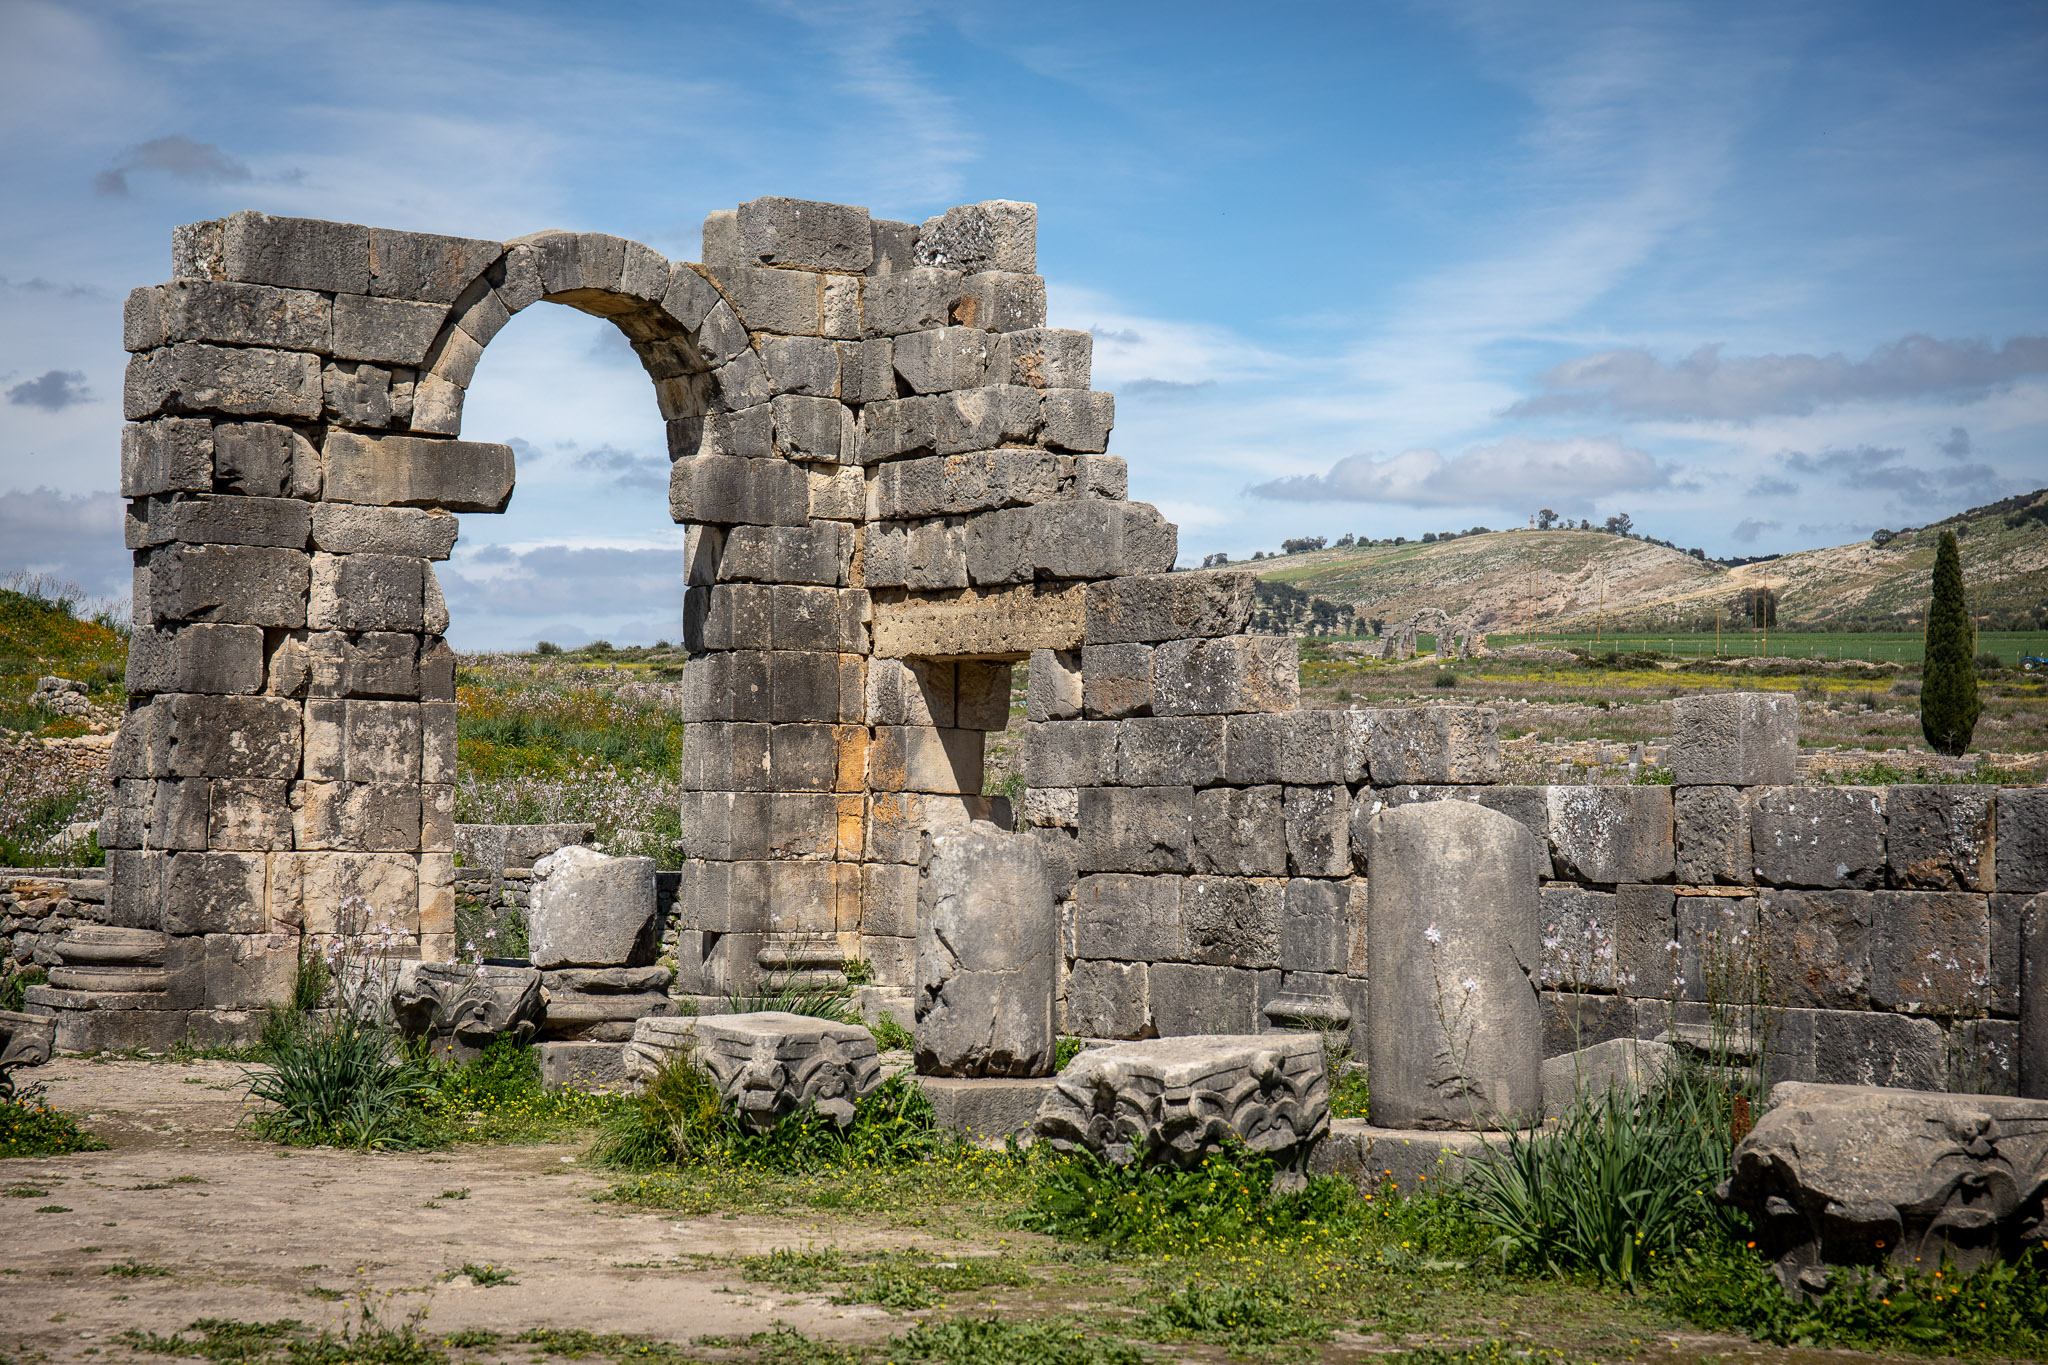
(1572, 473)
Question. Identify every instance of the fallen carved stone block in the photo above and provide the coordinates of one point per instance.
(767, 1065)
(1842, 1175)
(25, 1040)
(461, 1009)
(1178, 1100)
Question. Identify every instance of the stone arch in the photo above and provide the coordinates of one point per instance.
(1399, 642)
(897, 485)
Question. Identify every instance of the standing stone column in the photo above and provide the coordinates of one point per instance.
(987, 949)
(1452, 932)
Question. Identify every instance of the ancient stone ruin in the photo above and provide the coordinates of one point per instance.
(897, 488)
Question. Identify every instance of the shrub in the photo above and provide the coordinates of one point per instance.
(29, 1127)
(1948, 694)
(547, 647)
(1227, 1198)
(14, 986)
(891, 1036)
(1446, 679)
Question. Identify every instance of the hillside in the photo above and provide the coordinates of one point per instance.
(1576, 578)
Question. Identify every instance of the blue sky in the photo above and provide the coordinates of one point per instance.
(1763, 276)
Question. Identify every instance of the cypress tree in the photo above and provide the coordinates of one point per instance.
(1948, 682)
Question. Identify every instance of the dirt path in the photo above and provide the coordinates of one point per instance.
(256, 1232)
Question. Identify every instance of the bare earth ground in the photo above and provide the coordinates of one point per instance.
(267, 1232)
(228, 1227)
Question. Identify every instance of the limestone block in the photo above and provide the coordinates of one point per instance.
(837, 494)
(1240, 832)
(249, 971)
(2022, 862)
(1608, 835)
(1077, 420)
(294, 253)
(177, 813)
(923, 555)
(263, 459)
(1107, 1000)
(592, 910)
(915, 300)
(1102, 476)
(720, 489)
(1008, 620)
(461, 1010)
(983, 688)
(818, 554)
(366, 741)
(1069, 753)
(1456, 1045)
(1434, 744)
(898, 821)
(385, 331)
(216, 893)
(359, 817)
(1136, 829)
(1712, 836)
(925, 759)
(173, 454)
(142, 322)
(911, 692)
(1128, 917)
(895, 247)
(1817, 947)
(767, 1065)
(998, 234)
(1930, 952)
(1045, 358)
(243, 315)
(1116, 681)
(1735, 739)
(2008, 941)
(201, 736)
(416, 471)
(1818, 836)
(437, 741)
(1217, 676)
(1297, 747)
(802, 758)
(1837, 1175)
(1318, 821)
(1194, 998)
(802, 234)
(1939, 838)
(340, 528)
(1056, 689)
(367, 592)
(193, 377)
(1232, 922)
(207, 520)
(1001, 301)
(943, 359)
(807, 428)
(1050, 807)
(248, 813)
(1645, 924)
(307, 889)
(987, 948)
(1166, 752)
(361, 394)
(218, 659)
(426, 265)
(800, 365)
(943, 485)
(1315, 931)
(1157, 607)
(1178, 1101)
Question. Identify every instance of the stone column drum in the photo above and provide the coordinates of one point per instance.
(987, 949)
(1453, 942)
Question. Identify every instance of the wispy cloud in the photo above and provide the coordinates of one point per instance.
(1708, 385)
(1882, 469)
(181, 158)
(52, 391)
(1748, 529)
(73, 538)
(1572, 473)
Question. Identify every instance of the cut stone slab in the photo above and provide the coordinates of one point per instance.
(1735, 739)
(1844, 1175)
(1412, 1160)
(988, 1109)
(768, 1064)
(987, 946)
(1176, 1101)
(592, 910)
(462, 1009)
(593, 1068)
(1629, 1065)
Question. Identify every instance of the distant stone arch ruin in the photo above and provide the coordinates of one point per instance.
(1398, 642)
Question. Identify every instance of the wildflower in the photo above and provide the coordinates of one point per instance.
(1470, 984)
(1433, 934)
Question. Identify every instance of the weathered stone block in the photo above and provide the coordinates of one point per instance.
(1136, 829)
(416, 471)
(911, 692)
(204, 519)
(1232, 922)
(173, 454)
(218, 659)
(366, 741)
(720, 489)
(200, 736)
(1818, 836)
(385, 331)
(998, 234)
(1001, 301)
(987, 947)
(230, 584)
(1735, 739)
(1318, 821)
(243, 315)
(1240, 832)
(1069, 753)
(1078, 420)
(1107, 1000)
(1268, 1092)
(367, 592)
(237, 381)
(1298, 748)
(294, 253)
(216, 893)
(767, 1065)
(342, 529)
(925, 759)
(2022, 860)
(1939, 838)
(1191, 998)
(265, 460)
(1116, 681)
(1816, 946)
(1254, 673)
(802, 234)
(592, 910)
(1157, 607)
(914, 300)
(307, 889)
(1839, 1175)
(1165, 752)
(983, 689)
(1930, 952)
(942, 359)
(1712, 836)
(426, 265)
(1128, 917)
(1456, 1045)
(1434, 744)
(1609, 835)
(248, 813)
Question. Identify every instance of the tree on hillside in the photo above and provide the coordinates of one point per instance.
(1619, 524)
(1215, 561)
(1948, 683)
(1545, 519)
(1302, 544)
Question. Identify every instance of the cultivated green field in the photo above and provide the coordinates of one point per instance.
(1872, 646)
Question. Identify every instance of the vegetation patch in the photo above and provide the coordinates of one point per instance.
(30, 1127)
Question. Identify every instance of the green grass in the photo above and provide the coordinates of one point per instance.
(29, 1127)
(1871, 646)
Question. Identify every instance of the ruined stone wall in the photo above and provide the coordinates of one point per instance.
(1220, 864)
